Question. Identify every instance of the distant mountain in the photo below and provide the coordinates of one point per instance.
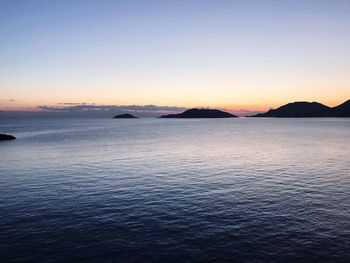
(298, 110)
(125, 116)
(342, 110)
(307, 109)
(201, 113)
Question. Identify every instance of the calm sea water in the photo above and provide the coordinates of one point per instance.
(162, 190)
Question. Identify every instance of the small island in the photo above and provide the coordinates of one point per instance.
(201, 113)
(6, 137)
(304, 109)
(125, 116)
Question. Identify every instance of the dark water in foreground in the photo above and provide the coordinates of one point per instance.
(156, 190)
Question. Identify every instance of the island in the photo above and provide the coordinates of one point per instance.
(125, 116)
(6, 137)
(342, 110)
(307, 110)
(201, 113)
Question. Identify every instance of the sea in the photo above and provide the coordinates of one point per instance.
(175, 190)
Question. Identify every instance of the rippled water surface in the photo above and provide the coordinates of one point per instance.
(162, 190)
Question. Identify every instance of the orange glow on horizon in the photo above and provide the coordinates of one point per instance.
(20, 105)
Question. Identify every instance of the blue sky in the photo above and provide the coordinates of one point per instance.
(228, 54)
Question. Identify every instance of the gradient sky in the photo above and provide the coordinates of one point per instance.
(229, 54)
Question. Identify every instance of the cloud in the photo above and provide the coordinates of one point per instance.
(8, 100)
(91, 110)
(88, 107)
(85, 110)
(73, 103)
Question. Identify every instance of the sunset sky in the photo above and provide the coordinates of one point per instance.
(234, 54)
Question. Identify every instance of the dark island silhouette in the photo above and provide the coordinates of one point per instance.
(201, 113)
(342, 110)
(125, 116)
(6, 137)
(307, 110)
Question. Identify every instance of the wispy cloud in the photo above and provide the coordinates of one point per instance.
(74, 103)
(70, 109)
(85, 110)
(83, 107)
(7, 100)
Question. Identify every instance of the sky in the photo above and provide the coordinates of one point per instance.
(248, 55)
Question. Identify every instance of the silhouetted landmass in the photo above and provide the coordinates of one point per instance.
(125, 116)
(307, 110)
(298, 109)
(201, 113)
(342, 110)
(6, 137)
